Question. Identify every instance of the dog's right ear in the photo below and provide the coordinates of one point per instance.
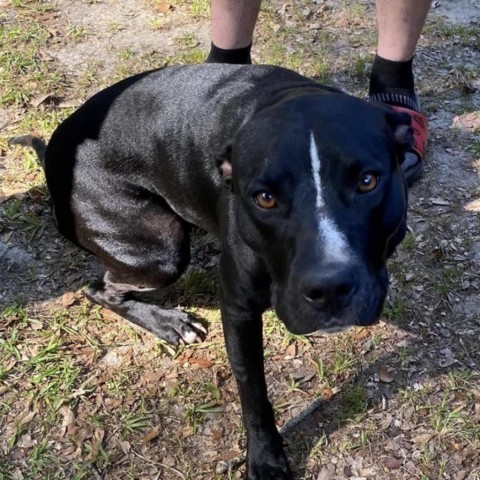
(401, 125)
(223, 163)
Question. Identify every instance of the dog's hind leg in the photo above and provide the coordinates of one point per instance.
(143, 246)
(173, 326)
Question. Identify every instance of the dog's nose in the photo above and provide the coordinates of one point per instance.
(332, 287)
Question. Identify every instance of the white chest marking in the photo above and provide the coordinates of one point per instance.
(333, 241)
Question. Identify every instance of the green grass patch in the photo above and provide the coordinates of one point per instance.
(353, 403)
(21, 43)
(199, 8)
(52, 374)
(465, 35)
(408, 243)
(278, 50)
(195, 414)
(134, 421)
(475, 149)
(196, 283)
(396, 310)
(192, 55)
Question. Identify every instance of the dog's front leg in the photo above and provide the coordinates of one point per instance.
(243, 300)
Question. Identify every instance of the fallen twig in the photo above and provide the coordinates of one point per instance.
(174, 470)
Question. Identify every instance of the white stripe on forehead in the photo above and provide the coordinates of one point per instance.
(315, 158)
(333, 241)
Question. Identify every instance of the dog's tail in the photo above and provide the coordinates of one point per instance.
(31, 141)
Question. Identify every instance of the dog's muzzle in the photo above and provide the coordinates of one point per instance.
(331, 299)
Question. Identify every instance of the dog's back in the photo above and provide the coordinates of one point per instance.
(119, 138)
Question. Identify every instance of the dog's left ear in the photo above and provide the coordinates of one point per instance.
(401, 125)
(223, 163)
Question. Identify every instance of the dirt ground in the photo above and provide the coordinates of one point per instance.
(83, 395)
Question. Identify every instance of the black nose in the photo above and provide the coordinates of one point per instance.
(332, 287)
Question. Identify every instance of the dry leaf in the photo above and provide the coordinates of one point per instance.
(408, 413)
(440, 202)
(422, 438)
(469, 121)
(385, 375)
(291, 351)
(462, 475)
(201, 362)
(68, 299)
(36, 324)
(230, 455)
(68, 418)
(163, 8)
(125, 446)
(447, 362)
(26, 441)
(327, 393)
(152, 434)
(68, 454)
(18, 475)
(97, 439)
(109, 315)
(209, 455)
(13, 195)
(35, 102)
(23, 420)
(362, 333)
(386, 422)
(169, 461)
(392, 463)
(325, 474)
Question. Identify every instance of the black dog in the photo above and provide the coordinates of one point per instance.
(301, 183)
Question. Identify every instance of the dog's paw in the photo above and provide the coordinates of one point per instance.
(180, 328)
(269, 467)
(266, 459)
(269, 472)
(173, 326)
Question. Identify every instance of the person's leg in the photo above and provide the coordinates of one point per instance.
(400, 23)
(233, 22)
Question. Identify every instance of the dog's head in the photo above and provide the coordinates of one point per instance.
(321, 198)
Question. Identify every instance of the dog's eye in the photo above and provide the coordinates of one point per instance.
(265, 200)
(367, 182)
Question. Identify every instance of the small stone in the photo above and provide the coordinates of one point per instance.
(409, 277)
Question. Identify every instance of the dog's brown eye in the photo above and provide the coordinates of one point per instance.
(367, 182)
(265, 200)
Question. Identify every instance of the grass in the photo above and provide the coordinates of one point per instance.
(447, 407)
(465, 35)
(21, 40)
(397, 310)
(196, 283)
(51, 375)
(196, 413)
(77, 33)
(353, 403)
(134, 421)
(199, 8)
(278, 50)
